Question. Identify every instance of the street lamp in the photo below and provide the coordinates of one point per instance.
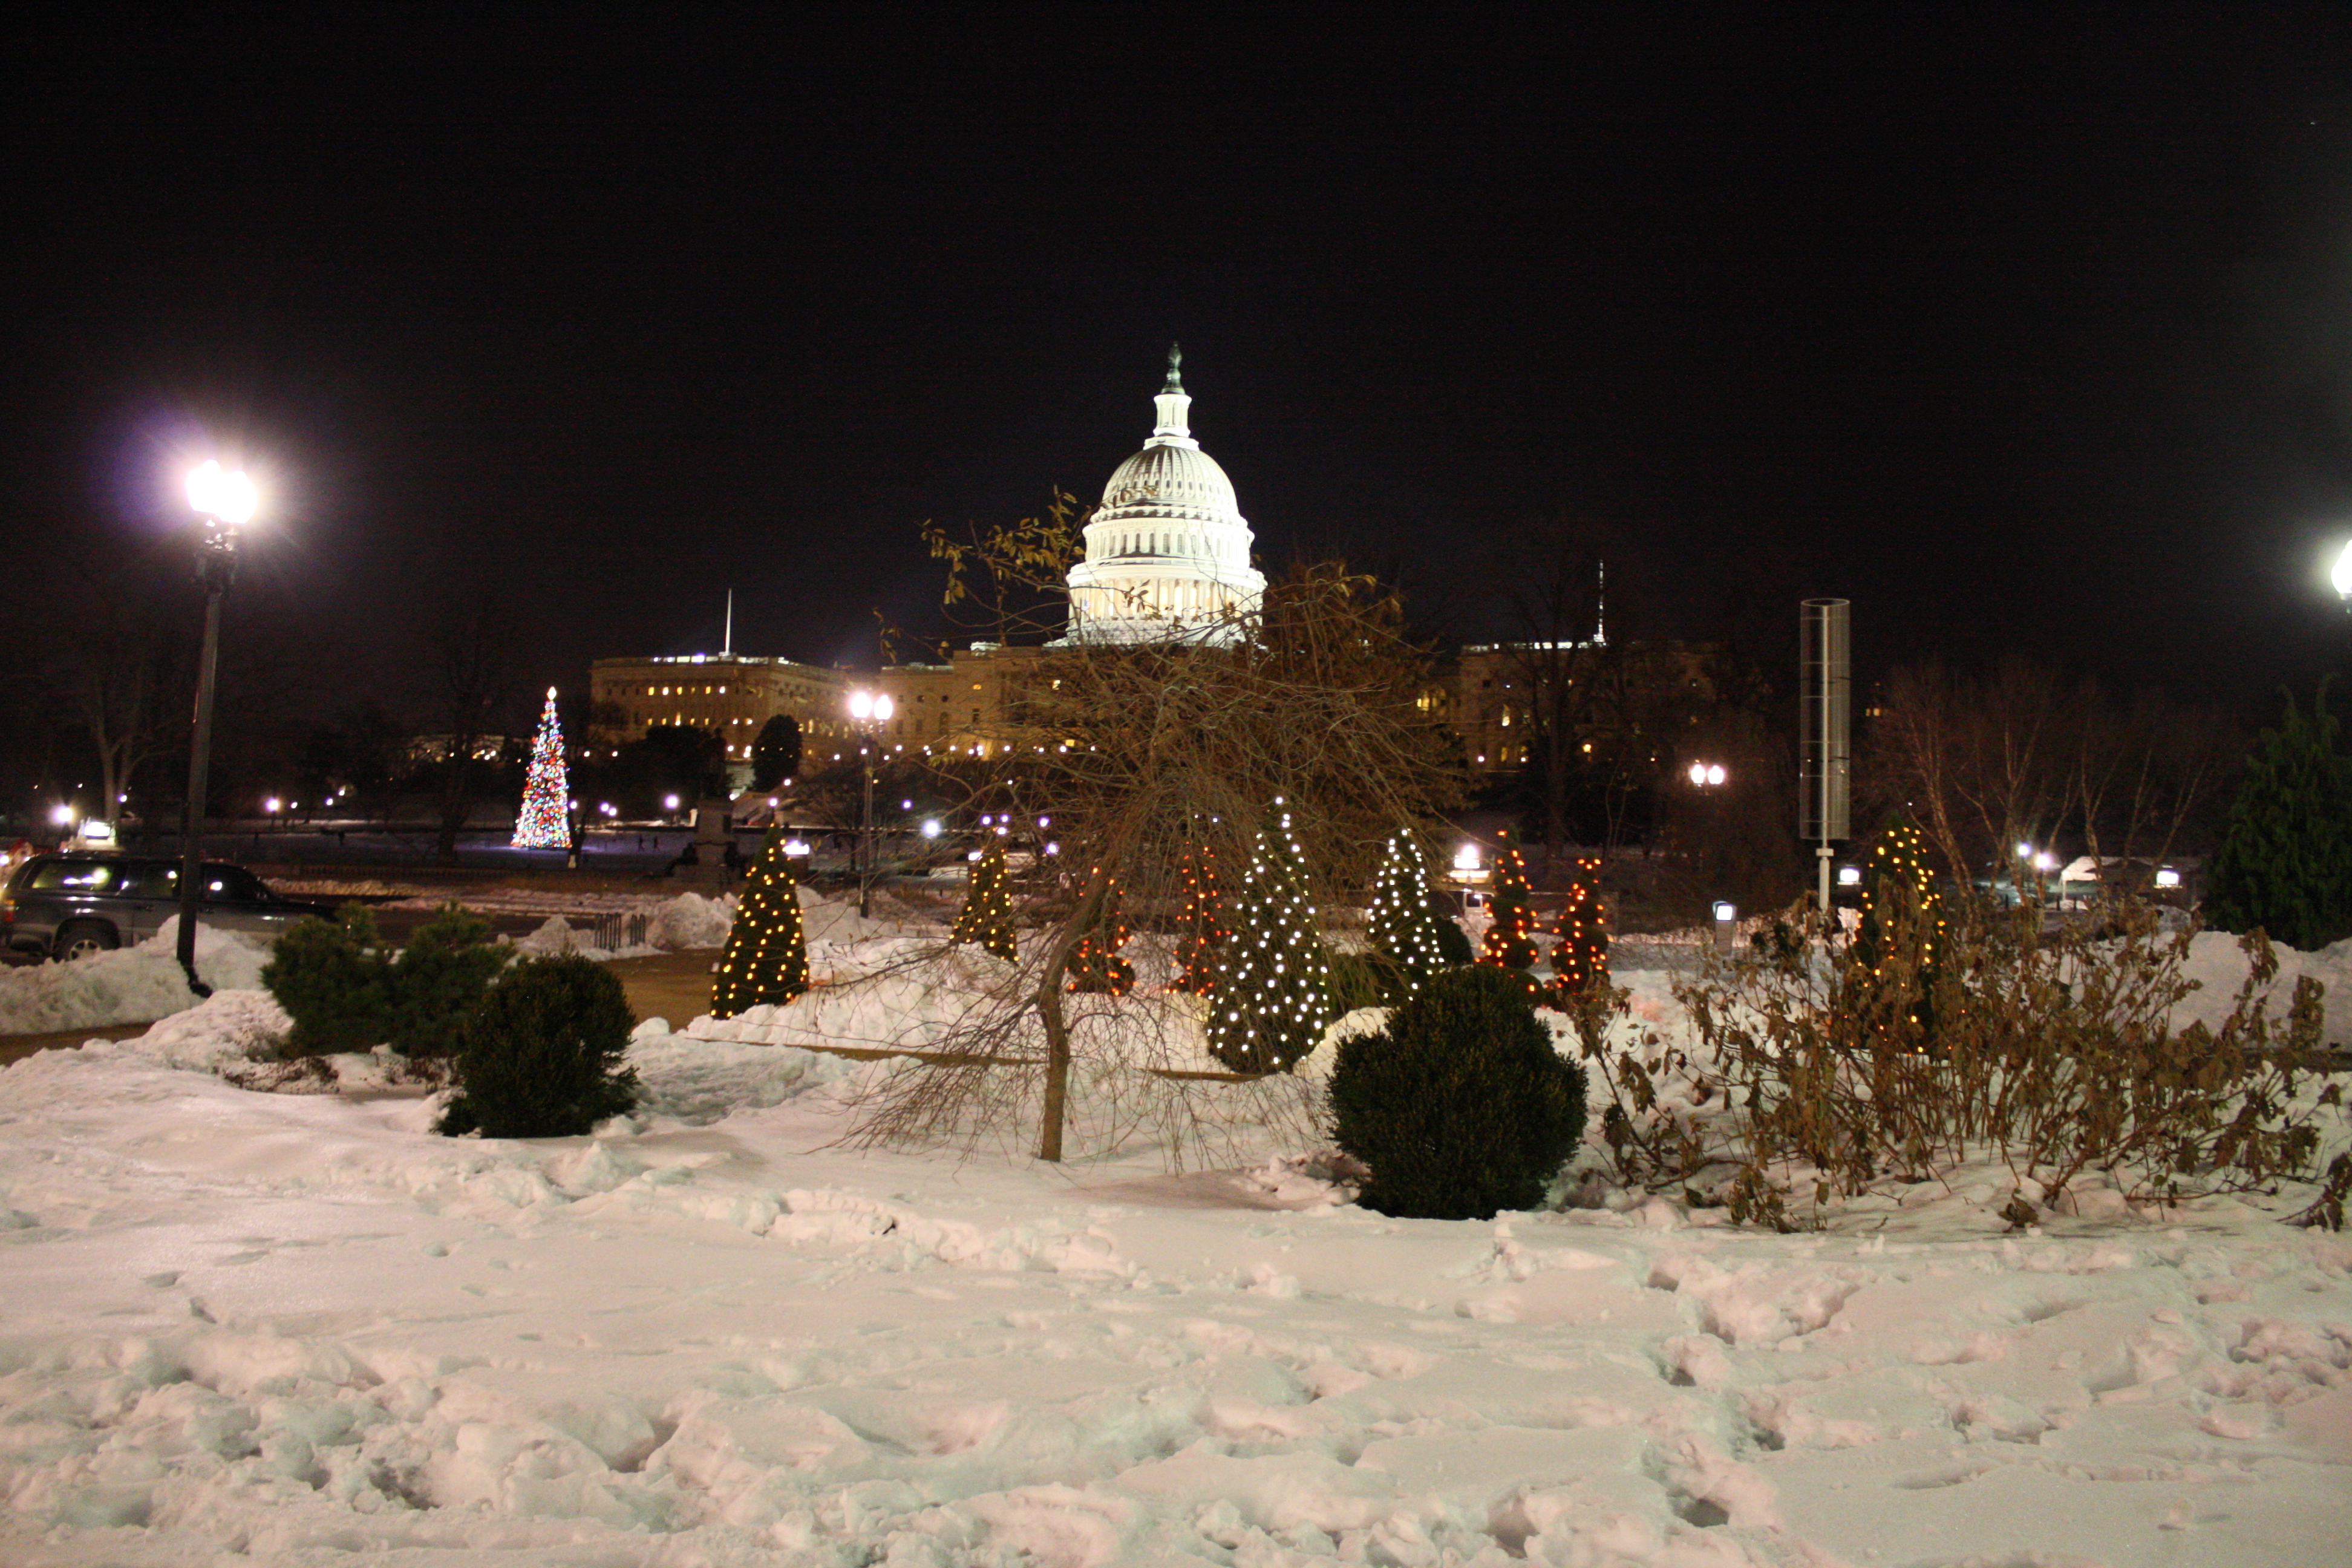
(872, 711)
(2342, 576)
(1708, 775)
(224, 502)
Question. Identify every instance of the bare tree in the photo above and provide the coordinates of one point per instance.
(1135, 755)
(116, 651)
(2026, 756)
(473, 676)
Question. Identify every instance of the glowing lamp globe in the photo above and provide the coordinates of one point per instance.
(861, 705)
(2342, 576)
(213, 491)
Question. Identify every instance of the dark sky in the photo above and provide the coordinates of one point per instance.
(2022, 329)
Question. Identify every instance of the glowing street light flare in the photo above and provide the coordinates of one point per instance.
(215, 492)
(2342, 576)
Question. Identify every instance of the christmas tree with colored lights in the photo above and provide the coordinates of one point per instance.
(986, 917)
(1511, 940)
(1402, 924)
(542, 824)
(1271, 998)
(1898, 948)
(1094, 963)
(1580, 958)
(766, 958)
(1200, 924)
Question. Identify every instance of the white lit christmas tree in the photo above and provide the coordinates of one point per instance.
(541, 823)
(1272, 997)
(1403, 923)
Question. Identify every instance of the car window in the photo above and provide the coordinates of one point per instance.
(233, 885)
(77, 877)
(154, 881)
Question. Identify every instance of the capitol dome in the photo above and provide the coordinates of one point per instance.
(1167, 553)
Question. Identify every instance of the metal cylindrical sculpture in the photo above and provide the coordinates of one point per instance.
(1826, 671)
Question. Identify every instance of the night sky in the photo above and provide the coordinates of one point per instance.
(2024, 329)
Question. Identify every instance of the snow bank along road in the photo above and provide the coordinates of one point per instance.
(250, 1328)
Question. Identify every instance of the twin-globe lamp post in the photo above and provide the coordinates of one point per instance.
(224, 501)
(872, 711)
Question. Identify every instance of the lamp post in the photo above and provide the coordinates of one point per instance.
(224, 501)
(872, 711)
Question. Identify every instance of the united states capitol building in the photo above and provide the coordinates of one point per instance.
(1166, 560)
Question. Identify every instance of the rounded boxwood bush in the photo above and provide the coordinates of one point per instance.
(441, 977)
(1460, 1108)
(329, 978)
(541, 1056)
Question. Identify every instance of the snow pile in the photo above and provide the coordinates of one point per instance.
(556, 937)
(127, 985)
(687, 921)
(697, 1080)
(906, 994)
(690, 920)
(2218, 966)
(837, 922)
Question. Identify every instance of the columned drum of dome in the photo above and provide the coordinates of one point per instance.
(1167, 553)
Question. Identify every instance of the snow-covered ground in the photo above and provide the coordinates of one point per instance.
(302, 1329)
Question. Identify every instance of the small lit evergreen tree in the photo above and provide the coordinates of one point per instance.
(1511, 941)
(544, 823)
(1273, 986)
(986, 917)
(1580, 957)
(2286, 858)
(766, 957)
(1401, 923)
(1201, 930)
(1094, 963)
(1898, 948)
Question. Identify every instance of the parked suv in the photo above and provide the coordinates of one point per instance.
(73, 904)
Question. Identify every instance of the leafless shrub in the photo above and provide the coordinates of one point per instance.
(2051, 1052)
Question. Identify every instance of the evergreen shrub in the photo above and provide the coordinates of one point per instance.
(2284, 864)
(1461, 1108)
(440, 978)
(332, 983)
(541, 1057)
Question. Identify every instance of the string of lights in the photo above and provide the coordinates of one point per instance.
(1273, 986)
(1401, 923)
(1095, 964)
(1200, 922)
(986, 917)
(1580, 958)
(542, 823)
(766, 957)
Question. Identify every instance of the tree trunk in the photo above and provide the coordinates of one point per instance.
(1049, 1012)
